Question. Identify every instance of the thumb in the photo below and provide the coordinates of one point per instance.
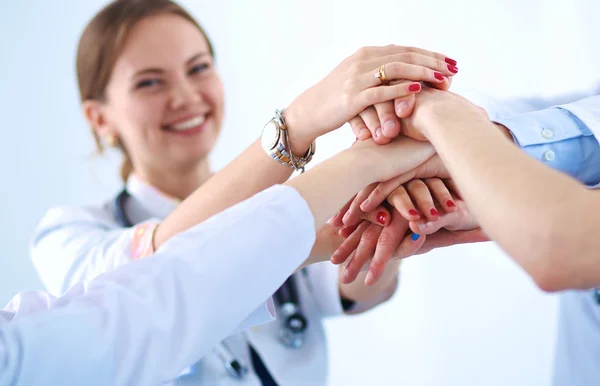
(404, 106)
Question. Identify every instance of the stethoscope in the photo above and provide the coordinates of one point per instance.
(293, 321)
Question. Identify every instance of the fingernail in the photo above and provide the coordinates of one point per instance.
(434, 212)
(413, 212)
(381, 217)
(452, 68)
(451, 61)
(422, 227)
(345, 275)
(415, 86)
(364, 204)
(369, 278)
(345, 218)
(450, 204)
(377, 133)
(438, 75)
(388, 126)
(415, 236)
(401, 107)
(362, 132)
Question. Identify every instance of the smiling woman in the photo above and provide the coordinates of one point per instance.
(149, 87)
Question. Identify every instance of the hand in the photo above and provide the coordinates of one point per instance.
(381, 121)
(434, 107)
(365, 244)
(372, 196)
(383, 162)
(368, 246)
(360, 246)
(352, 87)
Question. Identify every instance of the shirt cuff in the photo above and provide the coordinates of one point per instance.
(544, 127)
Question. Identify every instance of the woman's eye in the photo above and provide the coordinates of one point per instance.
(199, 68)
(147, 83)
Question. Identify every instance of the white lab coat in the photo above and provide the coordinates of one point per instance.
(73, 244)
(144, 322)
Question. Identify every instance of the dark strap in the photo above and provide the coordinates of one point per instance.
(261, 370)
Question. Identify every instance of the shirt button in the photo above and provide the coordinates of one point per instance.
(546, 133)
(549, 155)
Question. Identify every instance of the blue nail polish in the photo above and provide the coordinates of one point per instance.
(415, 236)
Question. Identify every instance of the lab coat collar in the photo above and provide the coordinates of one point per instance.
(157, 203)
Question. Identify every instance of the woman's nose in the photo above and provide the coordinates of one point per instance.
(184, 94)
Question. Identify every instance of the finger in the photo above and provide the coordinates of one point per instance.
(371, 120)
(382, 191)
(354, 213)
(380, 216)
(374, 95)
(388, 241)
(443, 85)
(440, 192)
(450, 184)
(336, 220)
(422, 198)
(364, 251)
(410, 245)
(389, 122)
(444, 238)
(359, 128)
(345, 232)
(392, 49)
(349, 245)
(404, 106)
(395, 68)
(402, 202)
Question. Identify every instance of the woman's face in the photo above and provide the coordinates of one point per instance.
(165, 98)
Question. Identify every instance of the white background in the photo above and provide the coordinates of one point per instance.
(463, 315)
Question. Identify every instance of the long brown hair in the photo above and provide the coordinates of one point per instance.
(101, 43)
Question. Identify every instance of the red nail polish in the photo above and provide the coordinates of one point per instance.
(450, 204)
(414, 87)
(438, 75)
(381, 217)
(434, 212)
(452, 69)
(450, 61)
(413, 212)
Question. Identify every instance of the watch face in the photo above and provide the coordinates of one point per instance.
(270, 136)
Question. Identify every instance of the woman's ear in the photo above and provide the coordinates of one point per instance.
(94, 114)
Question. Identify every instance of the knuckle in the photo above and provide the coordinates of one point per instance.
(369, 236)
(410, 57)
(415, 184)
(363, 52)
(386, 239)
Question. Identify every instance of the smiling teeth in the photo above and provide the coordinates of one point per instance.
(189, 123)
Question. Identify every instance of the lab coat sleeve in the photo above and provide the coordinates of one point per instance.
(143, 323)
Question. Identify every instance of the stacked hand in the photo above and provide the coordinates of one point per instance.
(424, 197)
(386, 94)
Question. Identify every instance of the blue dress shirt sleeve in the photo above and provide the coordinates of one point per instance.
(558, 138)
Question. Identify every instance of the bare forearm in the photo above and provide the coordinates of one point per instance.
(519, 202)
(250, 173)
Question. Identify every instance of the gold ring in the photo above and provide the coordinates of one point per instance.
(381, 75)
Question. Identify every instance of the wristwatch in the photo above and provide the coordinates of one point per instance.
(275, 141)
